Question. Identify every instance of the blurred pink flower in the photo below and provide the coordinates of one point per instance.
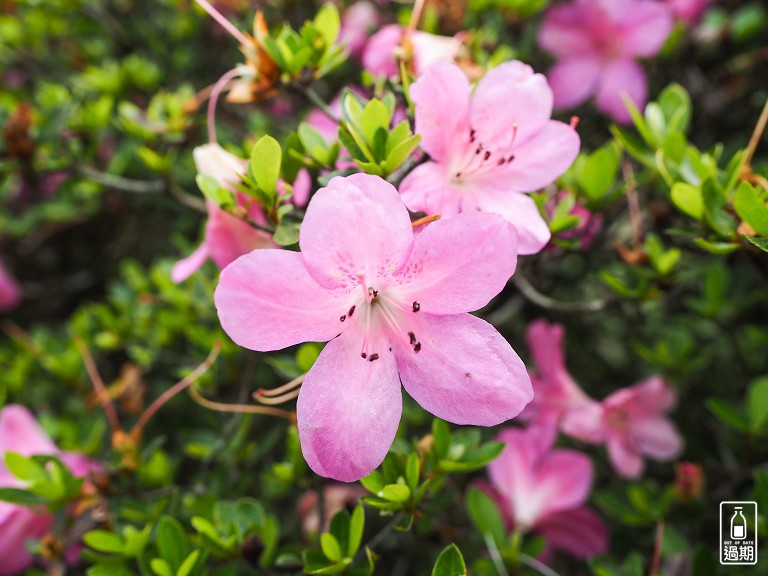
(558, 402)
(635, 425)
(596, 43)
(226, 236)
(393, 307)
(19, 432)
(10, 291)
(379, 56)
(357, 23)
(589, 224)
(488, 147)
(335, 498)
(687, 10)
(544, 490)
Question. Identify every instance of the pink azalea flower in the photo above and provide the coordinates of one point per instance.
(228, 237)
(543, 490)
(589, 224)
(19, 432)
(356, 25)
(558, 402)
(689, 11)
(596, 43)
(394, 307)
(635, 425)
(488, 148)
(379, 56)
(10, 291)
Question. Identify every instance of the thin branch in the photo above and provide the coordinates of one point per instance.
(98, 385)
(226, 24)
(756, 135)
(493, 550)
(543, 301)
(218, 88)
(240, 408)
(121, 183)
(656, 563)
(635, 217)
(176, 388)
(537, 565)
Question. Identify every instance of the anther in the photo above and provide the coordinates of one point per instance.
(351, 311)
(416, 306)
(344, 317)
(373, 357)
(487, 155)
(479, 149)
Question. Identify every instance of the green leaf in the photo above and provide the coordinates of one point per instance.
(395, 492)
(719, 248)
(450, 563)
(727, 414)
(400, 153)
(161, 567)
(441, 432)
(687, 198)
(485, 515)
(374, 482)
(757, 404)
(189, 563)
(266, 159)
(25, 469)
(286, 233)
(356, 526)
(675, 104)
(339, 528)
(313, 142)
(23, 497)
(761, 243)
(328, 23)
(751, 208)
(172, 541)
(598, 172)
(330, 547)
(104, 541)
(375, 116)
(214, 192)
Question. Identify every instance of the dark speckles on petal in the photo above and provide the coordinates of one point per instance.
(373, 357)
(344, 317)
(417, 347)
(363, 355)
(416, 306)
(351, 311)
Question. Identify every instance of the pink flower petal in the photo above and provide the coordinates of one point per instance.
(441, 88)
(625, 461)
(228, 237)
(654, 395)
(348, 410)
(429, 49)
(428, 189)
(520, 210)
(459, 263)
(20, 432)
(621, 77)
(266, 300)
(580, 533)
(545, 341)
(212, 160)
(657, 438)
(574, 79)
(646, 25)
(564, 479)
(563, 32)
(19, 526)
(509, 96)
(544, 158)
(379, 53)
(184, 268)
(355, 227)
(465, 372)
(584, 421)
(10, 291)
(511, 471)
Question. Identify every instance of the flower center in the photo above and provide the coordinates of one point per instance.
(479, 160)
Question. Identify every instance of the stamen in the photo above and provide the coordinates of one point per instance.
(296, 382)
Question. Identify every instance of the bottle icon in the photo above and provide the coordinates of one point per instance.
(738, 525)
